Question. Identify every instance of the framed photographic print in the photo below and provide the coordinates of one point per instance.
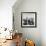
(28, 19)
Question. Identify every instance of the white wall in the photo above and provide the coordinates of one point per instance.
(29, 6)
(43, 22)
(6, 13)
(38, 34)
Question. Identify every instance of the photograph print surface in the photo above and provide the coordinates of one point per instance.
(28, 19)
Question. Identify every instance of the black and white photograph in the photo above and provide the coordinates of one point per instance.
(28, 19)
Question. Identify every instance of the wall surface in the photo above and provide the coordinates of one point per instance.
(6, 13)
(28, 6)
(43, 22)
(37, 34)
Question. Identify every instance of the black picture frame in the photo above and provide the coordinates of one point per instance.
(28, 19)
